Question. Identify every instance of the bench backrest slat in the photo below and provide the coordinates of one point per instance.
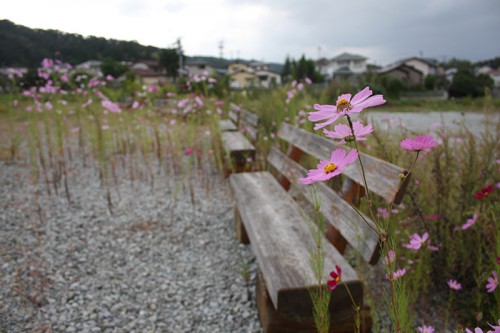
(382, 177)
(250, 117)
(333, 208)
(234, 113)
(345, 225)
(249, 124)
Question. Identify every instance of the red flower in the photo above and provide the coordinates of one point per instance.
(332, 284)
(484, 192)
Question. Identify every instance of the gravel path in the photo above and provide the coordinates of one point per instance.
(166, 260)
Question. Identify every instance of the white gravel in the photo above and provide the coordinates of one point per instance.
(160, 263)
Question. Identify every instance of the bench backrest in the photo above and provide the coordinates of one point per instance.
(234, 113)
(249, 122)
(346, 226)
(246, 121)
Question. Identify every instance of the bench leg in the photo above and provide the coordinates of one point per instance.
(240, 161)
(275, 322)
(241, 233)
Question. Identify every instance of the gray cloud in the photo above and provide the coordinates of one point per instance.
(392, 29)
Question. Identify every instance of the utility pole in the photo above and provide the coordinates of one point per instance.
(221, 49)
(181, 57)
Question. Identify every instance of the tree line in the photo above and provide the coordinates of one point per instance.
(24, 47)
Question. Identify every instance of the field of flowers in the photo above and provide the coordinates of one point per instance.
(444, 248)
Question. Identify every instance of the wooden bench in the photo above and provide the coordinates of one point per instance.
(239, 144)
(230, 124)
(274, 222)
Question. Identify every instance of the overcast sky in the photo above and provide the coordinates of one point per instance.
(382, 30)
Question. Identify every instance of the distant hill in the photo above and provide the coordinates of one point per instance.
(25, 47)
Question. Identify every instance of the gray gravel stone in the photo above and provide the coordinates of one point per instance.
(160, 263)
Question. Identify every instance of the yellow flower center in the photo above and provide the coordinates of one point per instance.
(343, 104)
(330, 167)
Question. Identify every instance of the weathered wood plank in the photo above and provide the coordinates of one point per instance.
(234, 117)
(236, 142)
(279, 236)
(227, 125)
(250, 117)
(383, 178)
(249, 124)
(301, 319)
(354, 227)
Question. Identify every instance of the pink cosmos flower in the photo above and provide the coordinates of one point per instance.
(65, 77)
(336, 276)
(47, 62)
(485, 191)
(426, 329)
(432, 217)
(188, 151)
(308, 80)
(492, 282)
(453, 284)
(470, 222)
(476, 330)
(397, 274)
(496, 328)
(199, 101)
(344, 106)
(431, 247)
(113, 107)
(344, 133)
(416, 242)
(87, 103)
(391, 255)
(419, 143)
(327, 169)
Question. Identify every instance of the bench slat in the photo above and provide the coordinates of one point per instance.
(382, 177)
(233, 116)
(279, 236)
(250, 117)
(334, 209)
(236, 142)
(227, 125)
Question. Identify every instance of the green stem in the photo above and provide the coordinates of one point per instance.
(356, 308)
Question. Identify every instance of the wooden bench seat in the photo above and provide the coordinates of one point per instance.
(230, 124)
(238, 139)
(226, 125)
(278, 229)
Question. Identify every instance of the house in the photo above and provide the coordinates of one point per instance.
(244, 74)
(345, 65)
(450, 73)
(495, 76)
(200, 65)
(149, 72)
(90, 67)
(268, 76)
(427, 66)
(410, 75)
(241, 75)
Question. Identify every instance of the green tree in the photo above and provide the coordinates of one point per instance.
(287, 70)
(112, 67)
(169, 59)
(463, 85)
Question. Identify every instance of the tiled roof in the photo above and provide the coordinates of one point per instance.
(347, 57)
